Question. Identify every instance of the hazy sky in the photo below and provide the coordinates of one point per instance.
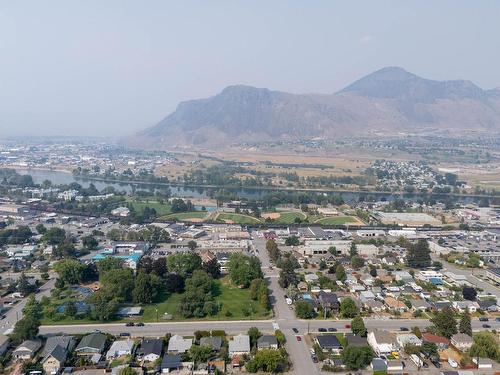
(101, 67)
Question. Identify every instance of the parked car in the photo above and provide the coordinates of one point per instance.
(347, 326)
(322, 330)
(124, 334)
(140, 324)
(483, 319)
(314, 359)
(298, 338)
(332, 329)
(435, 362)
(404, 329)
(486, 326)
(129, 324)
(452, 362)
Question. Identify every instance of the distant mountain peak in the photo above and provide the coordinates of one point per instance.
(389, 100)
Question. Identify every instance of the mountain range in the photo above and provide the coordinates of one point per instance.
(389, 101)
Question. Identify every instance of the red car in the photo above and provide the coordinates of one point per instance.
(299, 338)
(348, 326)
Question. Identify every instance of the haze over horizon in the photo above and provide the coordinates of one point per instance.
(113, 68)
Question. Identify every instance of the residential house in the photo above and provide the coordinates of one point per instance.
(215, 342)
(420, 304)
(378, 365)
(355, 340)
(329, 301)
(395, 366)
(53, 361)
(178, 344)
(267, 342)
(302, 286)
(488, 305)
(461, 341)
(440, 341)
(440, 305)
(395, 305)
(27, 349)
(374, 305)
(329, 343)
(311, 278)
(366, 295)
(171, 362)
(120, 348)
(239, 345)
(150, 350)
(407, 338)
(461, 306)
(91, 344)
(382, 342)
(65, 342)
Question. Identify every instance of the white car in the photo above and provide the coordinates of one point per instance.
(452, 362)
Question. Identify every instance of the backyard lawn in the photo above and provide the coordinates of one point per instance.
(236, 304)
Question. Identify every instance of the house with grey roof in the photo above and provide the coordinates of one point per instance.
(150, 349)
(420, 304)
(178, 344)
(355, 340)
(27, 349)
(267, 342)
(171, 362)
(329, 343)
(91, 344)
(65, 342)
(215, 342)
(461, 341)
(239, 344)
(4, 343)
(54, 360)
(120, 348)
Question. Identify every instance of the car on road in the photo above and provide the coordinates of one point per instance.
(332, 329)
(403, 329)
(486, 326)
(347, 326)
(124, 334)
(498, 319)
(295, 330)
(314, 359)
(298, 338)
(322, 330)
(129, 324)
(483, 319)
(140, 324)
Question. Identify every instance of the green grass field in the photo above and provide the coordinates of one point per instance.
(187, 216)
(289, 217)
(238, 218)
(161, 209)
(338, 220)
(233, 299)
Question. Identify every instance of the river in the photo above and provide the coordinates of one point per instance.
(60, 177)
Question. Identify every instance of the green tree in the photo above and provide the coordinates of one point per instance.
(70, 309)
(280, 336)
(108, 264)
(54, 236)
(304, 310)
(184, 264)
(200, 353)
(357, 357)
(146, 288)
(267, 360)
(358, 326)
(357, 262)
(24, 286)
(243, 269)
(118, 283)
(445, 323)
(485, 346)
(340, 273)
(212, 267)
(353, 250)
(25, 329)
(429, 349)
(71, 271)
(65, 249)
(465, 323)
(348, 308)
(104, 307)
(41, 229)
(90, 243)
(419, 254)
(32, 308)
(198, 300)
(292, 241)
(254, 335)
